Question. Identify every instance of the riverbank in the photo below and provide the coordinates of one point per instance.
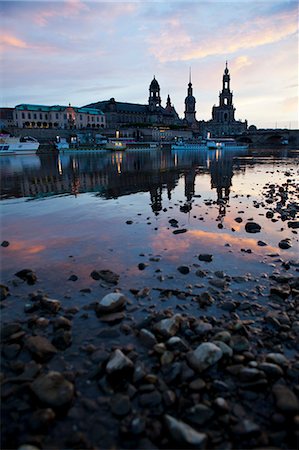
(169, 325)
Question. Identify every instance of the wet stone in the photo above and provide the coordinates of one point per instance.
(185, 435)
(151, 399)
(147, 338)
(4, 292)
(168, 327)
(182, 230)
(199, 414)
(204, 356)
(282, 291)
(183, 270)
(50, 304)
(286, 400)
(62, 339)
(105, 275)
(27, 275)
(120, 405)
(40, 347)
(246, 427)
(4, 244)
(271, 370)
(205, 257)
(53, 389)
(252, 227)
(118, 362)
(285, 244)
(110, 303)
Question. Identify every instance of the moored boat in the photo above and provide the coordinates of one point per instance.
(115, 145)
(10, 145)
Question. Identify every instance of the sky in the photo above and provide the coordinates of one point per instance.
(80, 52)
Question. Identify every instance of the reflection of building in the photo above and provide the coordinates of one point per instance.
(221, 179)
(223, 116)
(66, 117)
(121, 113)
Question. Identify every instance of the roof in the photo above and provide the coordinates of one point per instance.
(119, 106)
(45, 108)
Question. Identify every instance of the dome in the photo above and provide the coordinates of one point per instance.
(154, 84)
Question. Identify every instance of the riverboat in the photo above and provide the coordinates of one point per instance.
(115, 145)
(180, 144)
(10, 145)
(209, 144)
(62, 144)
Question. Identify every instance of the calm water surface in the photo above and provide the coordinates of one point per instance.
(73, 213)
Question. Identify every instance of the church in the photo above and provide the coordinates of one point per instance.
(223, 122)
(127, 114)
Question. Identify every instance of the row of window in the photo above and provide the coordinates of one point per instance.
(46, 117)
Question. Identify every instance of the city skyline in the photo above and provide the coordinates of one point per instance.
(82, 52)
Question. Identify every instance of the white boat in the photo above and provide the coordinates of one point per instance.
(62, 144)
(115, 145)
(10, 145)
(225, 144)
(183, 145)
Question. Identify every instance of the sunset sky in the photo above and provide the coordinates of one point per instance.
(81, 52)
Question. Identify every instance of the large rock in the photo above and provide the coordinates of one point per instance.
(106, 275)
(168, 327)
(50, 304)
(252, 227)
(119, 362)
(53, 389)
(110, 303)
(204, 356)
(184, 434)
(27, 275)
(40, 347)
(286, 400)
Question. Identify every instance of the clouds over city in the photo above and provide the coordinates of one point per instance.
(54, 50)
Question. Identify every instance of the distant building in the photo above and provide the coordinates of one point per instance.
(223, 116)
(63, 117)
(126, 114)
(190, 106)
(6, 118)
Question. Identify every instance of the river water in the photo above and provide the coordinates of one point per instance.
(70, 213)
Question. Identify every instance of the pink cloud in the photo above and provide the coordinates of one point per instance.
(11, 41)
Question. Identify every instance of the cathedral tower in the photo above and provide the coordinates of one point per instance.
(225, 112)
(190, 104)
(154, 99)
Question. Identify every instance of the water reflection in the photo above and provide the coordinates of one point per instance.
(111, 175)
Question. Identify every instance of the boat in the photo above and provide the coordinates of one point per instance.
(62, 144)
(115, 145)
(209, 144)
(10, 145)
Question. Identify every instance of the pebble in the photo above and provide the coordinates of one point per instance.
(252, 227)
(120, 405)
(110, 303)
(286, 400)
(53, 389)
(204, 356)
(183, 434)
(40, 347)
(118, 362)
(183, 270)
(205, 257)
(168, 327)
(106, 275)
(27, 275)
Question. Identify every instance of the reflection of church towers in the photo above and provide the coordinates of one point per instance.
(190, 104)
(221, 170)
(189, 189)
(154, 99)
(156, 198)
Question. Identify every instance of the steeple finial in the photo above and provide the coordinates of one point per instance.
(226, 64)
(189, 74)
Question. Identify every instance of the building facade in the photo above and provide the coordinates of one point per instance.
(223, 121)
(60, 117)
(120, 114)
(6, 118)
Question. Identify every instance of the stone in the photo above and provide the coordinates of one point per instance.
(62, 339)
(285, 244)
(282, 291)
(73, 278)
(252, 227)
(239, 343)
(277, 358)
(183, 434)
(118, 362)
(4, 292)
(106, 275)
(53, 389)
(182, 230)
(120, 405)
(204, 356)
(40, 347)
(183, 270)
(4, 244)
(238, 219)
(50, 304)
(142, 266)
(205, 257)
(168, 327)
(176, 343)
(293, 224)
(246, 427)
(271, 370)
(226, 349)
(27, 275)
(261, 244)
(147, 338)
(62, 322)
(110, 303)
(9, 329)
(199, 414)
(286, 400)
(151, 399)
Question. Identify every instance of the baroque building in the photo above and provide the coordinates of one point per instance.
(223, 121)
(59, 117)
(127, 114)
(190, 105)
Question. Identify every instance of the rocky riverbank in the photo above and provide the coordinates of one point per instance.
(207, 363)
